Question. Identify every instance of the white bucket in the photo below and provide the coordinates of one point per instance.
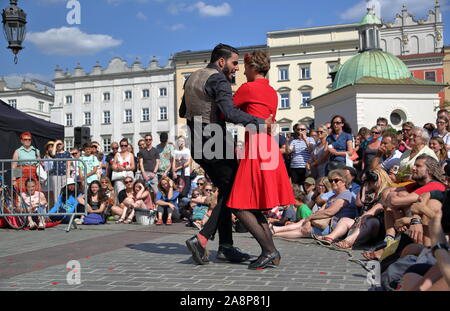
(145, 217)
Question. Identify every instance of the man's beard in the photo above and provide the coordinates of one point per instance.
(226, 72)
(418, 178)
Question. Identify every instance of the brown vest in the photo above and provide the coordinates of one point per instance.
(198, 103)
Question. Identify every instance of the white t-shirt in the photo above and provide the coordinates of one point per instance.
(405, 161)
(181, 158)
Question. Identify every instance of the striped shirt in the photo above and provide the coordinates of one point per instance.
(300, 154)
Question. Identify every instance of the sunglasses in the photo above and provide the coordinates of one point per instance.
(320, 132)
(374, 133)
(26, 139)
(128, 182)
(302, 130)
(148, 139)
(208, 190)
(334, 180)
(74, 154)
(200, 183)
(123, 145)
(334, 123)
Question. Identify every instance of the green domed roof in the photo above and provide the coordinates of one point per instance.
(375, 64)
(370, 19)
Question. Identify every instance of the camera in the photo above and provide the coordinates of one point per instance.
(295, 135)
(371, 176)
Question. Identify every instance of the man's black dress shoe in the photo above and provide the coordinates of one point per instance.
(232, 254)
(199, 254)
(265, 260)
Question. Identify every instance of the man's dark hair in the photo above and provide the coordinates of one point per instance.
(384, 120)
(163, 137)
(434, 169)
(87, 145)
(222, 51)
(393, 137)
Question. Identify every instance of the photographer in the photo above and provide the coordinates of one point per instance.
(300, 149)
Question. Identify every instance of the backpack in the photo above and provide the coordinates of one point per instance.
(94, 219)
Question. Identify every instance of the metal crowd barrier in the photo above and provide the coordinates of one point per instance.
(13, 191)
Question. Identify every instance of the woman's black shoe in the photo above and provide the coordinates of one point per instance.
(265, 260)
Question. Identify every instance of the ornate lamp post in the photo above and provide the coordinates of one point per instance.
(14, 20)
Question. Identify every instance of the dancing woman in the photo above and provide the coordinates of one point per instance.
(262, 182)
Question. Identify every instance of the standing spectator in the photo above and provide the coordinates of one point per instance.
(166, 199)
(101, 158)
(406, 130)
(61, 170)
(48, 166)
(313, 134)
(75, 154)
(181, 167)
(437, 144)
(92, 165)
(165, 156)
(300, 148)
(149, 163)
(329, 128)
(340, 143)
(141, 146)
(372, 148)
(383, 124)
(388, 156)
(110, 159)
(365, 135)
(123, 166)
(29, 155)
(136, 160)
(442, 131)
(443, 113)
(319, 156)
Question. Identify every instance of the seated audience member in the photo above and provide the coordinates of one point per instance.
(201, 212)
(34, 202)
(67, 201)
(418, 142)
(321, 195)
(303, 211)
(398, 216)
(288, 216)
(141, 198)
(123, 194)
(309, 186)
(187, 212)
(404, 140)
(166, 200)
(354, 186)
(439, 147)
(94, 203)
(435, 276)
(369, 228)
(388, 156)
(339, 209)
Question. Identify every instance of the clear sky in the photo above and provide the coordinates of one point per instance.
(146, 28)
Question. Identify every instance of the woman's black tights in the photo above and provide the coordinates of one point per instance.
(257, 225)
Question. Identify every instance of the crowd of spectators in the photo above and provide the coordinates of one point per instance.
(383, 190)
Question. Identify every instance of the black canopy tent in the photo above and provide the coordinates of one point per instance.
(14, 122)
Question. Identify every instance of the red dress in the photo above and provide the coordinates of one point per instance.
(261, 182)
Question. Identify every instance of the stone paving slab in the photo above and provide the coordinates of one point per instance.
(156, 259)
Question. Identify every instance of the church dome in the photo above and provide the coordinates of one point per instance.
(374, 63)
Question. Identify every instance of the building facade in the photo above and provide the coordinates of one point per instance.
(29, 97)
(116, 102)
(447, 75)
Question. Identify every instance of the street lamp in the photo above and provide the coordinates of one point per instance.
(14, 20)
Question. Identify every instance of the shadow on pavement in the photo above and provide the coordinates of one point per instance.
(160, 248)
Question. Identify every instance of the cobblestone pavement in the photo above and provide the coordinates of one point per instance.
(154, 258)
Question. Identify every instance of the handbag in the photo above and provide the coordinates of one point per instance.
(121, 175)
(321, 224)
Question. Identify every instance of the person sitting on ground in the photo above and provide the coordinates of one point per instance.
(67, 201)
(339, 209)
(354, 186)
(95, 204)
(321, 195)
(34, 202)
(141, 198)
(125, 193)
(202, 211)
(166, 199)
(186, 212)
(108, 188)
(369, 228)
(398, 216)
(303, 211)
(309, 187)
(388, 156)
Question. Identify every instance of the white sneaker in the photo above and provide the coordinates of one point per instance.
(41, 226)
(32, 225)
(197, 225)
(78, 221)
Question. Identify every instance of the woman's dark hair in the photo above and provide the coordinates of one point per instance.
(123, 140)
(222, 51)
(346, 128)
(259, 60)
(101, 194)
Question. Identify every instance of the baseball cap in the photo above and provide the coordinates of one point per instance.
(310, 181)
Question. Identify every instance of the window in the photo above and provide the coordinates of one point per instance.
(87, 118)
(145, 114)
(87, 98)
(430, 76)
(13, 103)
(41, 106)
(128, 95)
(163, 91)
(305, 72)
(128, 116)
(283, 73)
(306, 96)
(106, 144)
(68, 99)
(163, 113)
(284, 103)
(106, 117)
(146, 93)
(68, 119)
(106, 96)
(68, 143)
